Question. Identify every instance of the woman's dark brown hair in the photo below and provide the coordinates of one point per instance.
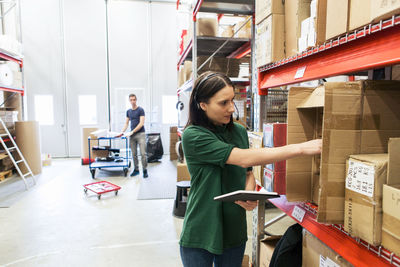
(205, 87)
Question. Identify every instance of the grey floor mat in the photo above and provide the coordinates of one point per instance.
(157, 186)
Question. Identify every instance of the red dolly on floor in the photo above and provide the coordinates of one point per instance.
(101, 187)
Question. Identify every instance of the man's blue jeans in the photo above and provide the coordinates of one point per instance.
(198, 257)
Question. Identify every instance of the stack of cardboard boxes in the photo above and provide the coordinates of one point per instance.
(267, 246)
(242, 29)
(173, 139)
(284, 30)
(357, 173)
(350, 15)
(182, 172)
(270, 31)
(391, 200)
(312, 31)
(316, 253)
(372, 199)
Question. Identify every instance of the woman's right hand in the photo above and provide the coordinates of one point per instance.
(312, 147)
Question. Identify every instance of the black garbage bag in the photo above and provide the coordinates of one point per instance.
(155, 148)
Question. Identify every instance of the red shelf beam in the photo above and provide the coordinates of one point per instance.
(185, 53)
(11, 58)
(356, 253)
(371, 48)
(241, 51)
(15, 90)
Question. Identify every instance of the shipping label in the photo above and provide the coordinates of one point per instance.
(327, 262)
(360, 178)
(298, 213)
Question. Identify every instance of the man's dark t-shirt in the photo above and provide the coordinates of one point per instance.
(134, 117)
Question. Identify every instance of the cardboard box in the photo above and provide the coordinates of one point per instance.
(391, 200)
(394, 161)
(396, 72)
(246, 261)
(391, 218)
(360, 14)
(320, 21)
(227, 31)
(267, 246)
(14, 102)
(99, 154)
(366, 175)
(173, 129)
(28, 142)
(358, 118)
(228, 66)
(337, 18)
(85, 133)
(207, 27)
(181, 77)
(173, 137)
(187, 69)
(316, 253)
(173, 156)
(255, 141)
(264, 8)
(182, 172)
(295, 12)
(5, 162)
(274, 135)
(384, 9)
(270, 40)
(274, 181)
(245, 31)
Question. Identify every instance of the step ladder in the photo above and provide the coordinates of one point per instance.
(12, 148)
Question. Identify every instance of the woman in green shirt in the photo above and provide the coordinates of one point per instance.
(219, 161)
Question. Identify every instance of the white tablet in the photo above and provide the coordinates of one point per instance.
(245, 195)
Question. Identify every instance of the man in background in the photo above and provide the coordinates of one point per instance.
(135, 116)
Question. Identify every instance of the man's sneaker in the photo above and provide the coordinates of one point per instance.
(134, 173)
(145, 175)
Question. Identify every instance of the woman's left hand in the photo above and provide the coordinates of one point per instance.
(247, 205)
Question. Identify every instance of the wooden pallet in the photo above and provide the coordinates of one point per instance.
(6, 174)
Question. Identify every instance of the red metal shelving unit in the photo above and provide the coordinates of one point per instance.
(372, 47)
(15, 90)
(356, 251)
(9, 57)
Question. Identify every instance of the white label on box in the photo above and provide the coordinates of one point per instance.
(360, 178)
(298, 213)
(300, 72)
(327, 262)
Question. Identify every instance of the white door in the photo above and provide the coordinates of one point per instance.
(86, 68)
(44, 72)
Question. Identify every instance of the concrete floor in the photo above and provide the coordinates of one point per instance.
(56, 224)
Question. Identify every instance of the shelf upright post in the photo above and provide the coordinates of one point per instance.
(255, 107)
(194, 48)
(258, 232)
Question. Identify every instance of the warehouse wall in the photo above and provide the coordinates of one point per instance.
(142, 59)
(142, 46)
(44, 66)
